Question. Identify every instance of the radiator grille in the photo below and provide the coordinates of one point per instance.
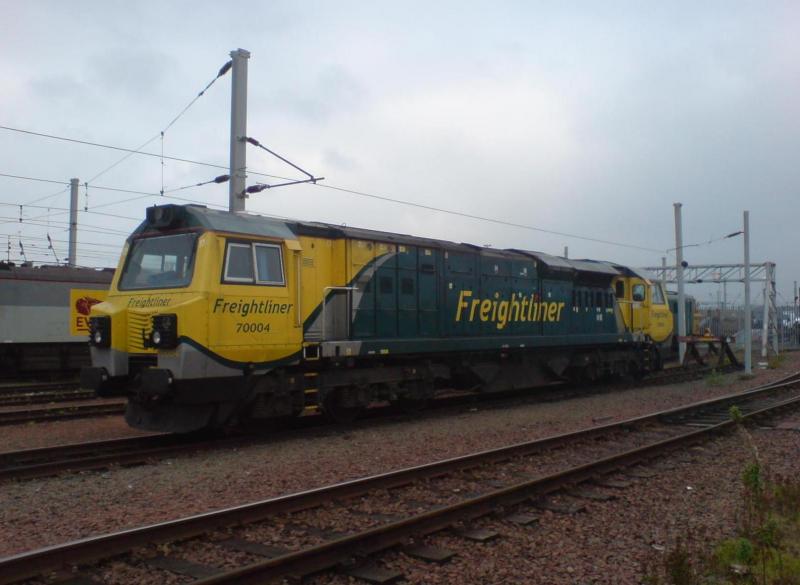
(139, 328)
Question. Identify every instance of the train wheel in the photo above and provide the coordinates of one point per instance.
(339, 409)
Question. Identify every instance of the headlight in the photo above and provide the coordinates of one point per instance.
(100, 331)
(165, 331)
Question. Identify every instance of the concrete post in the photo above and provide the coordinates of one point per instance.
(748, 319)
(236, 194)
(73, 222)
(679, 276)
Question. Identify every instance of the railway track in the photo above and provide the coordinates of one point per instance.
(46, 397)
(61, 411)
(413, 502)
(46, 461)
(23, 393)
(22, 386)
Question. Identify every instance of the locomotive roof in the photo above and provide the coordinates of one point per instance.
(189, 216)
(200, 216)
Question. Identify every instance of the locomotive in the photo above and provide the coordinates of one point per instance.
(216, 319)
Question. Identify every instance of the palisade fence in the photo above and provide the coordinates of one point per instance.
(729, 322)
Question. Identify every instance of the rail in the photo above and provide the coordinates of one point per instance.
(338, 550)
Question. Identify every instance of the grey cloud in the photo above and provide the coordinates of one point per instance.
(340, 161)
(331, 91)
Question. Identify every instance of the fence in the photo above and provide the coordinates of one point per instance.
(729, 322)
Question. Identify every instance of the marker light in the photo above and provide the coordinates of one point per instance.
(100, 331)
(165, 331)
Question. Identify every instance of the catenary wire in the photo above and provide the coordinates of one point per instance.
(119, 148)
(67, 210)
(487, 219)
(80, 242)
(44, 197)
(141, 195)
(407, 203)
(365, 194)
(222, 71)
(85, 228)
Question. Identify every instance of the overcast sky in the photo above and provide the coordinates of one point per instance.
(579, 117)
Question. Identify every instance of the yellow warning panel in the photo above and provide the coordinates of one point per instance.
(81, 301)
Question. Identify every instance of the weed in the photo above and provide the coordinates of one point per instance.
(678, 566)
(776, 361)
(766, 549)
(734, 552)
(715, 378)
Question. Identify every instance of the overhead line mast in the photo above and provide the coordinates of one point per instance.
(238, 170)
(73, 222)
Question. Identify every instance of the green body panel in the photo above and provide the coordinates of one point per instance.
(428, 297)
(411, 301)
(460, 273)
(689, 303)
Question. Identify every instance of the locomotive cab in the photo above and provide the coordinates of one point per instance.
(644, 307)
(190, 307)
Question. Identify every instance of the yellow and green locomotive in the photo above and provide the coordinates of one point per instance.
(216, 319)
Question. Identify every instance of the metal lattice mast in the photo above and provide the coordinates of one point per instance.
(771, 309)
(724, 274)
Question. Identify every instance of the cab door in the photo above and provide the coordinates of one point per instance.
(660, 315)
(640, 305)
(622, 297)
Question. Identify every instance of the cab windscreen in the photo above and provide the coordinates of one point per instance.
(159, 262)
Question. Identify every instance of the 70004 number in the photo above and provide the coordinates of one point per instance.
(252, 327)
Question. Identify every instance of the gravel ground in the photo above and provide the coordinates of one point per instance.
(618, 541)
(47, 434)
(49, 511)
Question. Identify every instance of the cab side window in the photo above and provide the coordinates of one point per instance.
(638, 293)
(620, 292)
(655, 292)
(253, 263)
(269, 268)
(239, 263)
